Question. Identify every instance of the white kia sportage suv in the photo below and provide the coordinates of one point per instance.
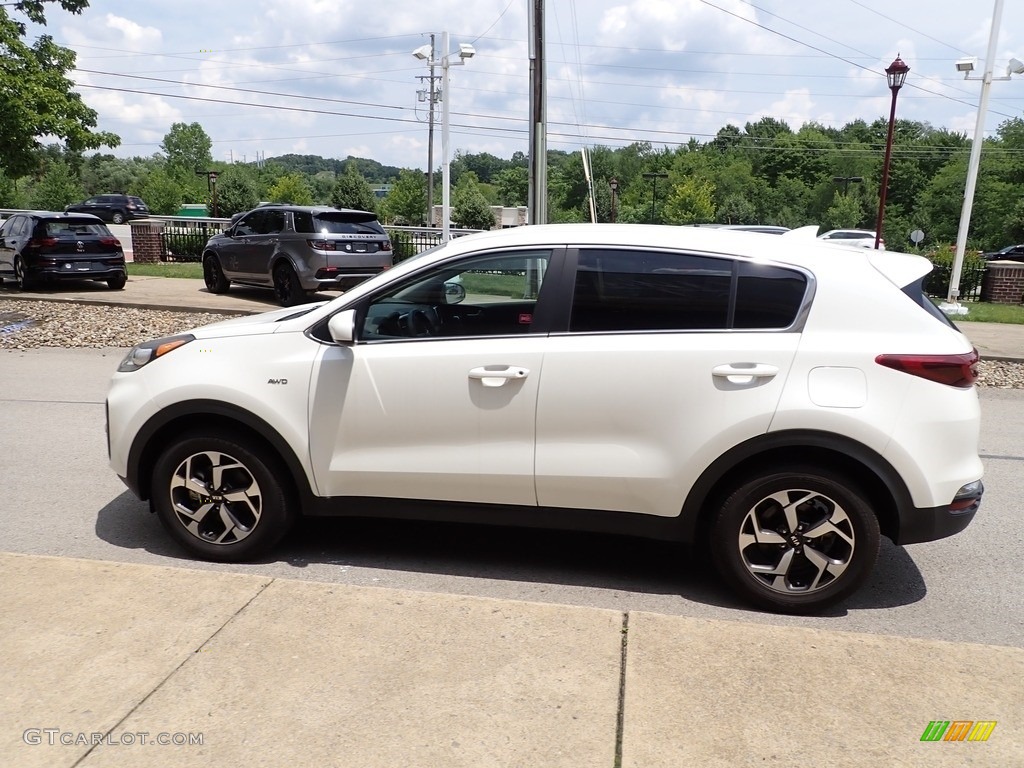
(745, 391)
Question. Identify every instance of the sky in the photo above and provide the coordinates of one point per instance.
(337, 78)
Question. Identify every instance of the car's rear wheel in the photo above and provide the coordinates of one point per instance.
(117, 283)
(219, 499)
(286, 286)
(118, 217)
(796, 540)
(213, 275)
(26, 282)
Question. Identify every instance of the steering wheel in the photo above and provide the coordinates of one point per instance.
(421, 323)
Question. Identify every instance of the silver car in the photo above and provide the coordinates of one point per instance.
(297, 250)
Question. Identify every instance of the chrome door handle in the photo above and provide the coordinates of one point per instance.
(496, 375)
(744, 373)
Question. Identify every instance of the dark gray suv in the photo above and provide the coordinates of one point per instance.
(115, 208)
(297, 250)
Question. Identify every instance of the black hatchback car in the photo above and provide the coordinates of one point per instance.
(115, 208)
(38, 246)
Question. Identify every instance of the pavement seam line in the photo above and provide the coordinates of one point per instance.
(620, 717)
(174, 671)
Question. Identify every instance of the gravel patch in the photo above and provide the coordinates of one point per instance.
(29, 324)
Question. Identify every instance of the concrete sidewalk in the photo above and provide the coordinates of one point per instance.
(995, 341)
(285, 673)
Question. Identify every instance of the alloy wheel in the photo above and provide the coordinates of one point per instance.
(216, 498)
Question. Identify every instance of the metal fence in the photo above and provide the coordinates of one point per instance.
(971, 279)
(184, 238)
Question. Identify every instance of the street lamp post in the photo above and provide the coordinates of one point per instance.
(613, 185)
(895, 74)
(654, 189)
(425, 52)
(967, 66)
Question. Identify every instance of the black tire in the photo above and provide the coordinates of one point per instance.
(213, 275)
(802, 561)
(227, 481)
(286, 286)
(118, 217)
(25, 281)
(117, 283)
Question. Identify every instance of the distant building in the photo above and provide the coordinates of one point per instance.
(504, 216)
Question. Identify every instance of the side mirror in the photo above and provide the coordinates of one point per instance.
(342, 326)
(454, 293)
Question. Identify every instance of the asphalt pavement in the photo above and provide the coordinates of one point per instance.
(109, 664)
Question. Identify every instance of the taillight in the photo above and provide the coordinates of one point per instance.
(386, 246)
(43, 242)
(111, 241)
(322, 245)
(954, 370)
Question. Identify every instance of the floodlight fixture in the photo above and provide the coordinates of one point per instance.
(422, 53)
(466, 51)
(1015, 67)
(966, 64)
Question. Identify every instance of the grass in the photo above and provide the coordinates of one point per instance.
(983, 312)
(166, 269)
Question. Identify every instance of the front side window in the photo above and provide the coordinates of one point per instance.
(494, 295)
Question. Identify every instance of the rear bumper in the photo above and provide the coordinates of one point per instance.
(73, 271)
(935, 523)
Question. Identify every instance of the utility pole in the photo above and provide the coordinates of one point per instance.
(430, 96)
(538, 118)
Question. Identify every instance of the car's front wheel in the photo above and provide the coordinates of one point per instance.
(795, 541)
(213, 275)
(219, 499)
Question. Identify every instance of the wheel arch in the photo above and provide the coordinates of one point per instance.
(211, 415)
(887, 493)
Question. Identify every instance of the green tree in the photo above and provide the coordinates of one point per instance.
(844, 213)
(406, 203)
(58, 187)
(469, 206)
(690, 201)
(163, 193)
(36, 96)
(187, 148)
(353, 191)
(291, 188)
(513, 185)
(236, 190)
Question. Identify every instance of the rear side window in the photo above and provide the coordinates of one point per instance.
(650, 291)
(346, 223)
(653, 291)
(767, 296)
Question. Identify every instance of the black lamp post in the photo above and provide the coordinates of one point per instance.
(845, 181)
(654, 189)
(613, 184)
(895, 74)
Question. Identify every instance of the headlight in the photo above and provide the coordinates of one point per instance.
(149, 351)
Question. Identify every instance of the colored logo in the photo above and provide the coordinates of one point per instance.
(958, 730)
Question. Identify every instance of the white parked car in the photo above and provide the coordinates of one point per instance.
(862, 237)
(719, 388)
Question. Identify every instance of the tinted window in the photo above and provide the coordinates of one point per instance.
(767, 296)
(346, 223)
(650, 291)
(75, 228)
(261, 223)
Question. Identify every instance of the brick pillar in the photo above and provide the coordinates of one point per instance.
(148, 242)
(1003, 283)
